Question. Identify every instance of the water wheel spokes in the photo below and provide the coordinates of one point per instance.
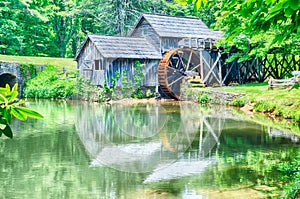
(175, 67)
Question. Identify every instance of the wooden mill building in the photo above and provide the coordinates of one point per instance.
(100, 56)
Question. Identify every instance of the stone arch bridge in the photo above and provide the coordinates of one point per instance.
(10, 73)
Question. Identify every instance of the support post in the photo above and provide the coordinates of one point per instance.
(201, 65)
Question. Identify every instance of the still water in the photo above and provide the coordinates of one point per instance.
(82, 150)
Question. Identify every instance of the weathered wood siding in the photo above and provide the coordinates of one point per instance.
(145, 30)
(168, 44)
(150, 71)
(120, 65)
(86, 64)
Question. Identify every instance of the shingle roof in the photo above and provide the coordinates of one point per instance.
(123, 47)
(180, 27)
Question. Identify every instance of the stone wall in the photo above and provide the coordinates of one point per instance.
(214, 96)
(13, 70)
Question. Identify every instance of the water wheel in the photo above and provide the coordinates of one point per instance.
(175, 67)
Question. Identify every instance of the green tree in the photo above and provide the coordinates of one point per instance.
(256, 27)
(121, 15)
(65, 24)
(57, 28)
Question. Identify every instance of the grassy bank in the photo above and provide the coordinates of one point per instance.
(255, 97)
(69, 63)
(276, 102)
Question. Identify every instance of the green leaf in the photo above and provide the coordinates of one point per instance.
(197, 5)
(7, 131)
(7, 87)
(7, 115)
(288, 12)
(3, 121)
(294, 4)
(15, 88)
(4, 91)
(13, 95)
(3, 99)
(28, 112)
(18, 115)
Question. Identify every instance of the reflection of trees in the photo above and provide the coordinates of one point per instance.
(241, 166)
(250, 156)
(46, 160)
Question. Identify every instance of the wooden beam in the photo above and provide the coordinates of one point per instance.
(220, 68)
(201, 64)
(211, 70)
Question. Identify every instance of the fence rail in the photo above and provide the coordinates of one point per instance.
(284, 83)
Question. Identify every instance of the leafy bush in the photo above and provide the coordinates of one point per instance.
(264, 106)
(28, 70)
(85, 90)
(47, 84)
(239, 102)
(203, 98)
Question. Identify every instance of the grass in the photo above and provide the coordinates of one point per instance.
(280, 102)
(69, 63)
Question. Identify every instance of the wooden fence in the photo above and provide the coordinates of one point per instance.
(276, 66)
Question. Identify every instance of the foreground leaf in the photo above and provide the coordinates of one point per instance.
(15, 88)
(28, 112)
(7, 131)
(18, 115)
(3, 99)
(7, 115)
(12, 96)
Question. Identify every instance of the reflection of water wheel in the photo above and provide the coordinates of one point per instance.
(174, 67)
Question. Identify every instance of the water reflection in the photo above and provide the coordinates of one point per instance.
(154, 138)
(87, 151)
(165, 142)
(275, 133)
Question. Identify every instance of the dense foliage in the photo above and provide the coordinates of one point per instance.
(56, 28)
(10, 106)
(254, 27)
(51, 83)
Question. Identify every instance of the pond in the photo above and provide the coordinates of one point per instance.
(181, 150)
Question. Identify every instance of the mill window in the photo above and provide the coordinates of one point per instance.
(98, 65)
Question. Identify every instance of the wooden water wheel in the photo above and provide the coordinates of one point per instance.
(175, 67)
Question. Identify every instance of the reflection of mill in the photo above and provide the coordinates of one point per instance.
(149, 138)
(198, 124)
(195, 140)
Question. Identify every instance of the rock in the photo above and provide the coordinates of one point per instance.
(248, 109)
